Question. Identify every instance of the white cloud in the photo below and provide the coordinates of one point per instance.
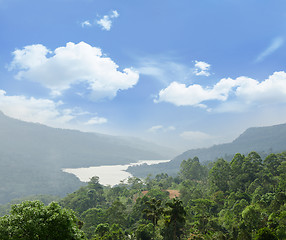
(242, 89)
(202, 68)
(86, 24)
(114, 14)
(106, 21)
(43, 111)
(181, 95)
(157, 128)
(30, 57)
(164, 69)
(73, 64)
(275, 44)
(96, 120)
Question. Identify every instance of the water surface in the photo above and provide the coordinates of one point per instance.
(108, 174)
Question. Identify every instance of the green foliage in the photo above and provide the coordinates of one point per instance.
(104, 232)
(144, 232)
(192, 170)
(237, 200)
(33, 220)
(175, 218)
(158, 194)
(46, 199)
(154, 210)
(116, 214)
(220, 175)
(91, 218)
(265, 234)
(86, 197)
(252, 217)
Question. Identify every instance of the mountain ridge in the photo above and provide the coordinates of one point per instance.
(264, 140)
(29, 137)
(33, 155)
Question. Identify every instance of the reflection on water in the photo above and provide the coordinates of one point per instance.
(109, 174)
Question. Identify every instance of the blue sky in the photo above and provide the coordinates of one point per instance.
(180, 73)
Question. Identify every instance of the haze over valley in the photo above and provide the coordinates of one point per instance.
(89, 89)
(34, 155)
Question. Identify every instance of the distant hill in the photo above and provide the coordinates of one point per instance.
(263, 140)
(32, 156)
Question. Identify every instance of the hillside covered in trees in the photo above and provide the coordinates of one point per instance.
(244, 198)
(33, 155)
(264, 140)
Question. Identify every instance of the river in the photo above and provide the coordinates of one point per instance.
(108, 174)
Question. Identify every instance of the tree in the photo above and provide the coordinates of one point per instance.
(252, 218)
(154, 211)
(192, 169)
(101, 230)
(252, 167)
(144, 232)
(271, 163)
(116, 214)
(91, 218)
(202, 210)
(265, 234)
(220, 175)
(90, 196)
(282, 176)
(175, 219)
(32, 220)
(236, 164)
(104, 232)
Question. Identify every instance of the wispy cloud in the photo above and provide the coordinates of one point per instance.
(167, 69)
(164, 69)
(106, 21)
(275, 44)
(86, 24)
(96, 120)
(157, 128)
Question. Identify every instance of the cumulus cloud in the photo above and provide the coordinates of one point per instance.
(157, 128)
(275, 45)
(96, 120)
(242, 89)
(106, 21)
(193, 95)
(72, 64)
(202, 68)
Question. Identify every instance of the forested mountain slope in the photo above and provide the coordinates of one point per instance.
(264, 140)
(71, 148)
(32, 156)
